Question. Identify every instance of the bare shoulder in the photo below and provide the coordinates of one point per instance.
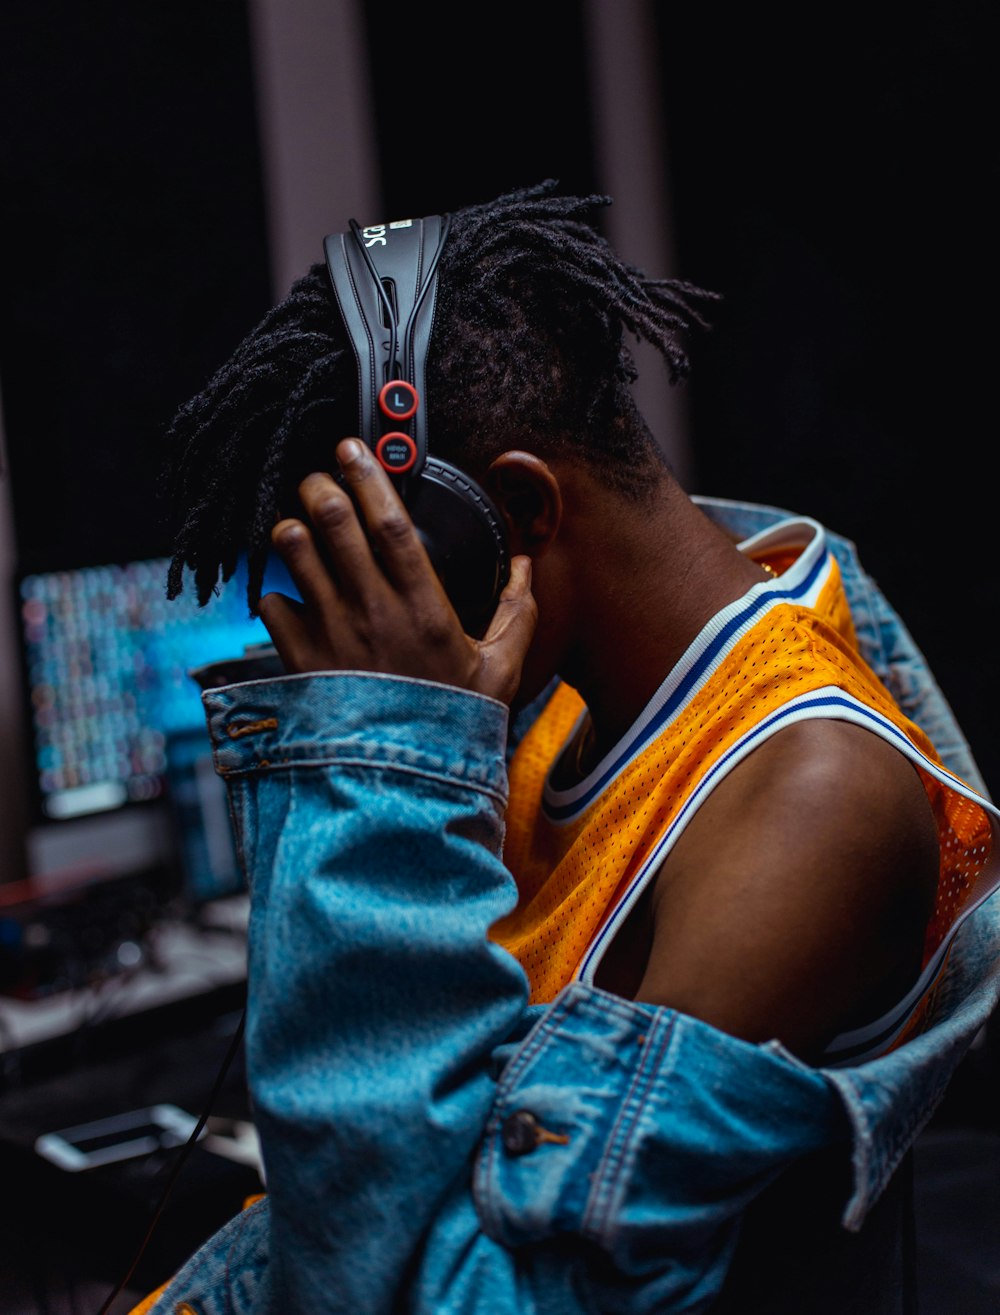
(795, 902)
(820, 778)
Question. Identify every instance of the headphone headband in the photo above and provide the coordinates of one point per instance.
(383, 277)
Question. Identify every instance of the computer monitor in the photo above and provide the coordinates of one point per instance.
(108, 658)
(116, 721)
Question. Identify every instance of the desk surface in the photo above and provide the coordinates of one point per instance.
(179, 960)
(89, 1224)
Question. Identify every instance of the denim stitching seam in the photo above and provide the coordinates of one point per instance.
(656, 1042)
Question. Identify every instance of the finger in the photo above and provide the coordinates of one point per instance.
(294, 544)
(282, 617)
(340, 533)
(506, 642)
(387, 522)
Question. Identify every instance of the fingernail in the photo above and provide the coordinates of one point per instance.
(350, 451)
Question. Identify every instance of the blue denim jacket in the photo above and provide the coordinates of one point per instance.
(431, 1142)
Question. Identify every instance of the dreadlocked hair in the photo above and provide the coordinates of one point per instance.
(528, 350)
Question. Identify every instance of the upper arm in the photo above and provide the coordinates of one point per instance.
(795, 902)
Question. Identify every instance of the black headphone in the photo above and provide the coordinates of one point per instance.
(385, 279)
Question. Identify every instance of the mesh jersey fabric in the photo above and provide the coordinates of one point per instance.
(785, 651)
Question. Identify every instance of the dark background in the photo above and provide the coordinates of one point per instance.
(831, 175)
(134, 254)
(834, 178)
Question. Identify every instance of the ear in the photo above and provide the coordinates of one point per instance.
(528, 496)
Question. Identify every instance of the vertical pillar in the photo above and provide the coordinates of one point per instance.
(631, 160)
(317, 135)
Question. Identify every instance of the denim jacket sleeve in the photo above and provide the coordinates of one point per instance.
(430, 1142)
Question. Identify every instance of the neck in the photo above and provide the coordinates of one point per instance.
(662, 572)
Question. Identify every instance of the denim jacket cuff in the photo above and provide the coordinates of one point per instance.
(343, 717)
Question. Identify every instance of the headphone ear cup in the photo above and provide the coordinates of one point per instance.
(465, 538)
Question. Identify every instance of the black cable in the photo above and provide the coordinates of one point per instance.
(180, 1161)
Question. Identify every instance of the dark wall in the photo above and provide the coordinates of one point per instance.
(480, 110)
(834, 178)
(132, 258)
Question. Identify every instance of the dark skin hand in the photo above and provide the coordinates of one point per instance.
(792, 906)
(360, 615)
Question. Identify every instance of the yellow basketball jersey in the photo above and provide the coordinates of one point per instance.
(783, 652)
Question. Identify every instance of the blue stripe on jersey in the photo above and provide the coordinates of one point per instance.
(712, 652)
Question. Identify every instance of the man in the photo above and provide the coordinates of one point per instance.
(537, 1047)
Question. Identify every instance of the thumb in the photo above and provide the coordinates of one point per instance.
(503, 648)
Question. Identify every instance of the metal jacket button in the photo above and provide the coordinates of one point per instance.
(521, 1133)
